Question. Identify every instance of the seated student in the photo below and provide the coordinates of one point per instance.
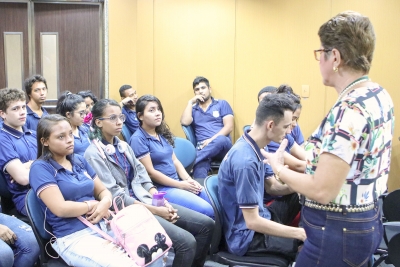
(251, 228)
(18, 145)
(68, 187)
(295, 154)
(90, 100)
(266, 91)
(296, 132)
(72, 106)
(36, 89)
(212, 122)
(153, 145)
(128, 103)
(126, 177)
(18, 245)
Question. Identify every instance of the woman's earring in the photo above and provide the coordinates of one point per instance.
(335, 69)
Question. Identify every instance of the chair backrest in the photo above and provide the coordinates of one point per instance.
(126, 133)
(393, 250)
(36, 216)
(4, 187)
(7, 205)
(211, 187)
(185, 152)
(189, 132)
(391, 206)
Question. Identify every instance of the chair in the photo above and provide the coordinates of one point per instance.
(390, 245)
(36, 217)
(7, 205)
(189, 132)
(126, 133)
(185, 152)
(217, 252)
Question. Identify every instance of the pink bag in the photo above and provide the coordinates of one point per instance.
(138, 232)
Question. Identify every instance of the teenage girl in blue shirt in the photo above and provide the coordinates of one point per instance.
(123, 174)
(68, 187)
(73, 107)
(153, 145)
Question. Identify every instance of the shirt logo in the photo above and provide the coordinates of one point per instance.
(216, 113)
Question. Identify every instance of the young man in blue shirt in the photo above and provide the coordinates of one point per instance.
(18, 147)
(250, 227)
(129, 97)
(36, 90)
(212, 121)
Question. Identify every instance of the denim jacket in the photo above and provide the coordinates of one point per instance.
(113, 176)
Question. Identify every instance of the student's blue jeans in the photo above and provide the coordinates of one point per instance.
(25, 251)
(336, 239)
(200, 203)
(215, 150)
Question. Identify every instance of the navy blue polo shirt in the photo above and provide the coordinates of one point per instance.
(297, 135)
(240, 186)
(273, 146)
(75, 186)
(131, 120)
(32, 119)
(17, 145)
(160, 152)
(207, 123)
(82, 142)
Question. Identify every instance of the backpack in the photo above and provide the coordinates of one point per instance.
(138, 232)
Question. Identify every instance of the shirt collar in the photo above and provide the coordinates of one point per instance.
(57, 166)
(253, 145)
(105, 142)
(16, 133)
(146, 134)
(30, 112)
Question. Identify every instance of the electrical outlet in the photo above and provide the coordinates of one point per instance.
(305, 91)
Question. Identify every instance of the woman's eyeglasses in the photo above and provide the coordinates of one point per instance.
(317, 53)
(113, 118)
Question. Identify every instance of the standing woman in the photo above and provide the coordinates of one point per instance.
(153, 145)
(68, 187)
(72, 106)
(348, 154)
(125, 176)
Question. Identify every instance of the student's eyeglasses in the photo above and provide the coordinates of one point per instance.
(317, 53)
(113, 118)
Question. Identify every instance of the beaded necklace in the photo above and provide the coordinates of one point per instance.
(351, 85)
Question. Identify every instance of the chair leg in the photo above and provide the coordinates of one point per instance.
(380, 260)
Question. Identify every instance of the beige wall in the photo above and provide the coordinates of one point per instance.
(241, 46)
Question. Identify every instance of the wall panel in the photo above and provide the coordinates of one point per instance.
(122, 45)
(79, 61)
(13, 18)
(192, 38)
(244, 45)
